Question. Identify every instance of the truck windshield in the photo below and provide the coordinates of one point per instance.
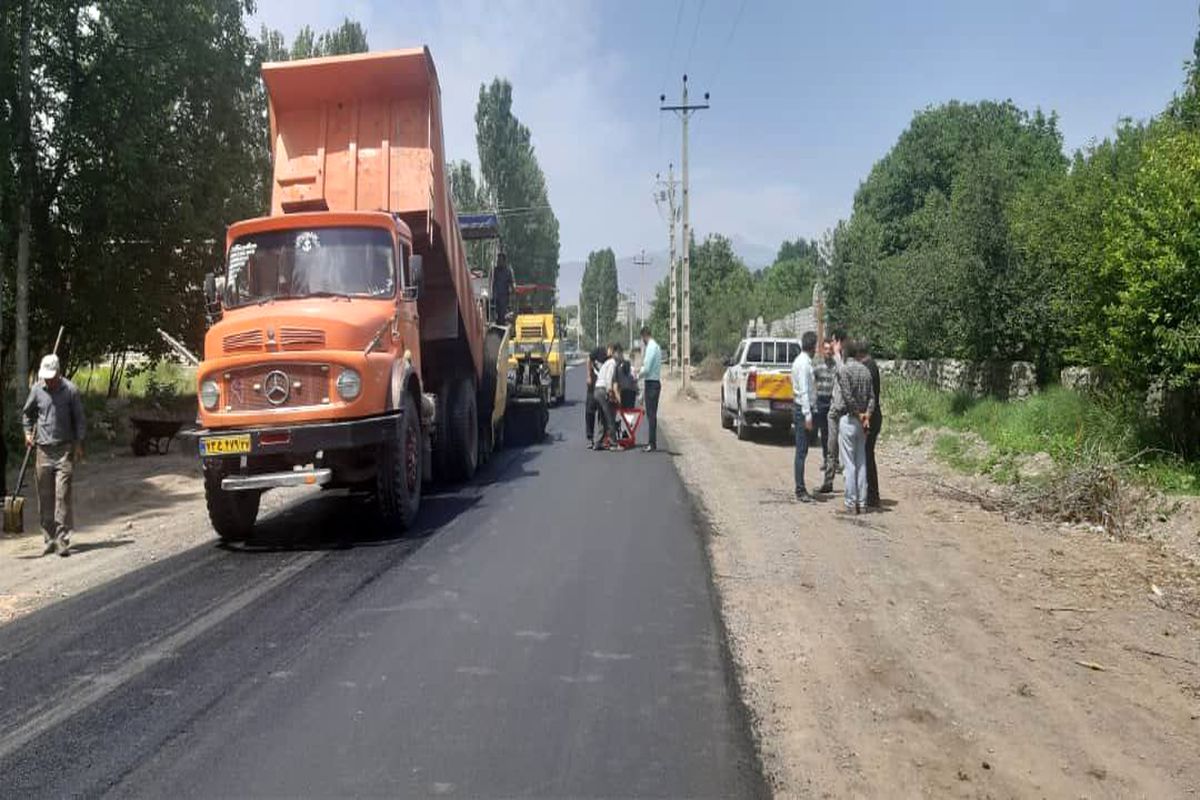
(318, 262)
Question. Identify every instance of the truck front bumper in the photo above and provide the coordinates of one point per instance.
(274, 480)
(299, 439)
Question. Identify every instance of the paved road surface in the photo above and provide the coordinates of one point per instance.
(552, 633)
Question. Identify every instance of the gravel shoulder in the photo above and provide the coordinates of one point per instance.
(935, 649)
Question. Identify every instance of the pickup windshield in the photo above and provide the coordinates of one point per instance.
(317, 262)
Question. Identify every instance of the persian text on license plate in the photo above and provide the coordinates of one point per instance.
(225, 445)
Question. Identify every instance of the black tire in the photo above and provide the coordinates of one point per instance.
(726, 417)
(398, 481)
(742, 427)
(140, 444)
(232, 514)
(460, 433)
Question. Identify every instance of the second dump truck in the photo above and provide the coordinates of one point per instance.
(350, 349)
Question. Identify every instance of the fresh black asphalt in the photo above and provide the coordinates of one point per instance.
(551, 632)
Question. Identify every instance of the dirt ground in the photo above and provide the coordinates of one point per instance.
(128, 512)
(935, 649)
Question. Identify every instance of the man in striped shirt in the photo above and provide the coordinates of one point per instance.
(824, 369)
(853, 406)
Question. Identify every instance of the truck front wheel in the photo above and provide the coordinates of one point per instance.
(398, 482)
(232, 513)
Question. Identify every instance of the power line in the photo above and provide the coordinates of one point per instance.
(695, 31)
(671, 52)
(728, 41)
(666, 72)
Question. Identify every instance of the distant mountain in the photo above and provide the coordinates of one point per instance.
(570, 273)
(754, 254)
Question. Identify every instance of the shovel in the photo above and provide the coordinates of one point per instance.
(14, 504)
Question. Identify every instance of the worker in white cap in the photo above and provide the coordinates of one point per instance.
(54, 424)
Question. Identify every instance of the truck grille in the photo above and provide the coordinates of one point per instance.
(263, 387)
(301, 338)
(530, 332)
(246, 340)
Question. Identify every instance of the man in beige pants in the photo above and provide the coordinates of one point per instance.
(53, 419)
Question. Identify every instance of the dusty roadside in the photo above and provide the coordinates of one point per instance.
(129, 511)
(934, 649)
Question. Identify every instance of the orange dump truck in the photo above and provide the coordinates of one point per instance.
(350, 350)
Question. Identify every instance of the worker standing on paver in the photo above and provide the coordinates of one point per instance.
(502, 283)
(54, 424)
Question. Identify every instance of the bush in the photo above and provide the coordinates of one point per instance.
(1064, 423)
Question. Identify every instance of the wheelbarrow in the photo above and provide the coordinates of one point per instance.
(153, 434)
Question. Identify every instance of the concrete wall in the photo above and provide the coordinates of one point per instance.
(792, 326)
(1006, 380)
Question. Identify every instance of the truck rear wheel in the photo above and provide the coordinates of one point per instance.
(726, 417)
(398, 482)
(460, 432)
(232, 513)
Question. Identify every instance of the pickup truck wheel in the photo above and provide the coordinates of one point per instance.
(461, 440)
(232, 513)
(398, 481)
(743, 427)
(726, 417)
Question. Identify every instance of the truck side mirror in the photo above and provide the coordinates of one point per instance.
(212, 299)
(416, 273)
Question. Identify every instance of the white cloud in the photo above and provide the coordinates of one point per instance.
(567, 86)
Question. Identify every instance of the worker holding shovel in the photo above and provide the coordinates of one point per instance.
(54, 424)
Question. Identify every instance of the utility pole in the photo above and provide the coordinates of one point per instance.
(641, 261)
(668, 195)
(685, 111)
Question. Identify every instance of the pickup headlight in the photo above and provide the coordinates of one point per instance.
(210, 394)
(349, 384)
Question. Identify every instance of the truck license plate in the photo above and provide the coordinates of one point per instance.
(780, 405)
(225, 445)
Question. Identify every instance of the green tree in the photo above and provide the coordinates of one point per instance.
(723, 297)
(598, 296)
(926, 265)
(1153, 253)
(349, 37)
(515, 182)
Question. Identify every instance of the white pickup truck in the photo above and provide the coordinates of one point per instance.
(757, 387)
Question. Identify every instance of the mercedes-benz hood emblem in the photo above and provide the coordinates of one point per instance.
(277, 387)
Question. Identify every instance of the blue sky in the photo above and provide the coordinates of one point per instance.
(806, 96)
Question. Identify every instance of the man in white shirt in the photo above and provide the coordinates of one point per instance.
(802, 396)
(602, 392)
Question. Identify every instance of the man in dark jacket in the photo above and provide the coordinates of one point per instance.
(54, 425)
(876, 422)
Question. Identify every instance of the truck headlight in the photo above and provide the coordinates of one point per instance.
(349, 384)
(210, 394)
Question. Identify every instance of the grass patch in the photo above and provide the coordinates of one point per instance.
(160, 380)
(1060, 422)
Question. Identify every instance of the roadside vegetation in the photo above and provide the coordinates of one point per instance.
(1061, 455)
